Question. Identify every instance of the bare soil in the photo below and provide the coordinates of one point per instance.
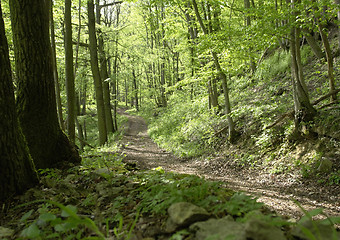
(276, 191)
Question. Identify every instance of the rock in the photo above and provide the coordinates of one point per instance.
(257, 229)
(183, 214)
(325, 166)
(318, 230)
(104, 172)
(219, 229)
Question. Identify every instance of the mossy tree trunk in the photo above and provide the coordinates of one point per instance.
(36, 100)
(17, 172)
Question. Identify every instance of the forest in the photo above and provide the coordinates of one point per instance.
(170, 119)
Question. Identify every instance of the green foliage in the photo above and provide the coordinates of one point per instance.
(160, 190)
(66, 224)
(240, 204)
(334, 178)
(316, 232)
(186, 128)
(274, 66)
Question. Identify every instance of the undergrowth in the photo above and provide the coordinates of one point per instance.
(112, 204)
(189, 129)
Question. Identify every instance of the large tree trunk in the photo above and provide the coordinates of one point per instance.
(96, 74)
(36, 101)
(17, 171)
(69, 74)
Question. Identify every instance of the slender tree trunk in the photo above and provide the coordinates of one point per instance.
(96, 74)
(17, 172)
(104, 75)
(329, 57)
(248, 24)
(78, 41)
(55, 71)
(69, 74)
(36, 100)
(135, 89)
(337, 2)
(304, 111)
(231, 124)
(114, 91)
(313, 44)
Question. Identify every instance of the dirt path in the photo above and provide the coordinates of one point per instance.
(276, 191)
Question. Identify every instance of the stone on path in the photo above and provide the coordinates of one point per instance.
(219, 229)
(183, 214)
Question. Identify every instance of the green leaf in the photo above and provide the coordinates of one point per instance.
(47, 217)
(60, 227)
(26, 216)
(68, 211)
(31, 232)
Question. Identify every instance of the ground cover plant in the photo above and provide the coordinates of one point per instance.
(87, 202)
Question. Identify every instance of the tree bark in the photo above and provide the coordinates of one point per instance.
(304, 111)
(69, 74)
(104, 76)
(36, 101)
(17, 171)
(96, 74)
(231, 124)
(135, 89)
(314, 45)
(248, 24)
(55, 72)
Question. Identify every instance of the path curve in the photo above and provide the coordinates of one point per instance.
(276, 191)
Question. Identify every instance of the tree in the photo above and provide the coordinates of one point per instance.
(17, 172)
(304, 111)
(36, 100)
(104, 75)
(55, 71)
(231, 124)
(96, 74)
(69, 74)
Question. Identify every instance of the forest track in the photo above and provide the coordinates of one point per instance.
(278, 192)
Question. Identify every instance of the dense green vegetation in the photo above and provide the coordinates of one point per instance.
(251, 82)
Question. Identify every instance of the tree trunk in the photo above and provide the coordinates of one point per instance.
(313, 44)
(329, 57)
(36, 101)
(337, 2)
(231, 124)
(248, 24)
(69, 74)
(96, 74)
(104, 76)
(304, 111)
(135, 89)
(55, 71)
(17, 172)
